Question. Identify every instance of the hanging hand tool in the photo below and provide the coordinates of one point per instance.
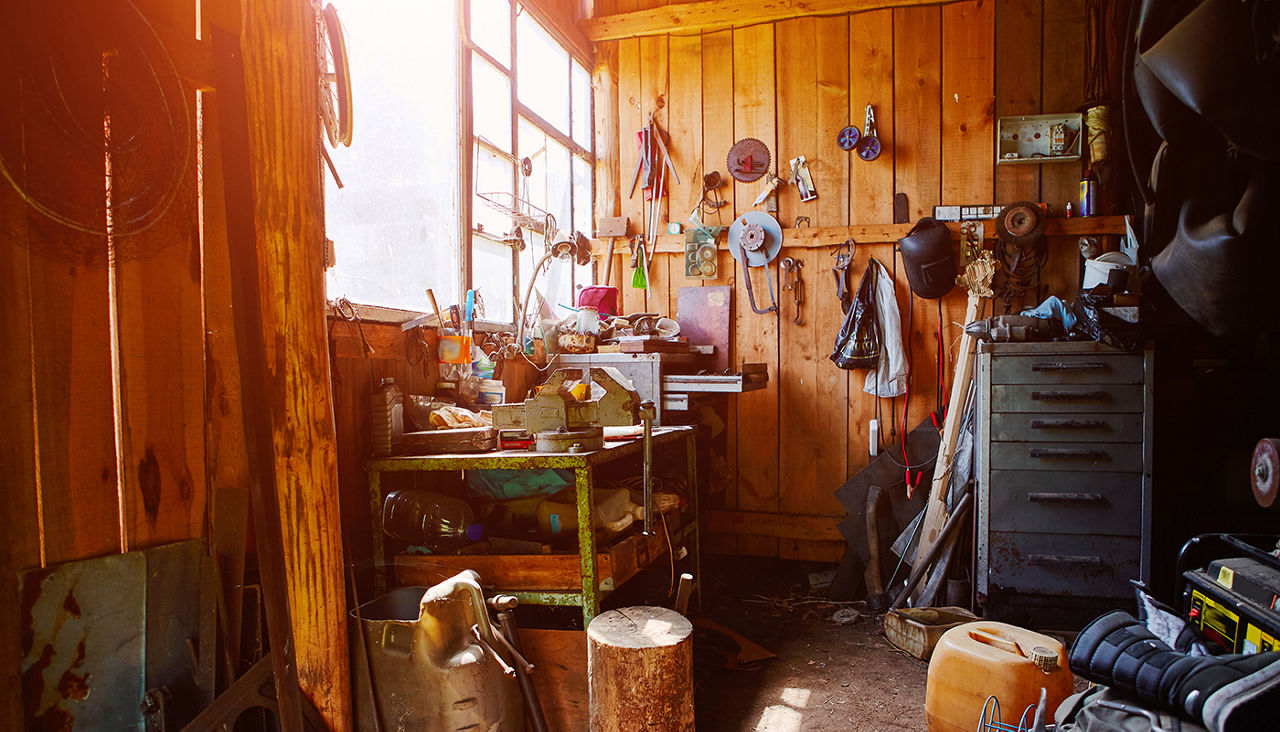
(791, 281)
(844, 258)
(869, 144)
(654, 158)
(803, 179)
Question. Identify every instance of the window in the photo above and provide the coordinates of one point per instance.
(532, 155)
(398, 222)
(395, 224)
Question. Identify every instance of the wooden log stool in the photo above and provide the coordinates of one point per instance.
(640, 670)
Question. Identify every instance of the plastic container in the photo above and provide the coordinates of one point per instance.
(388, 417)
(614, 512)
(437, 522)
(491, 391)
(977, 660)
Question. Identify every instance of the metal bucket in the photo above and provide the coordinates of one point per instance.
(428, 670)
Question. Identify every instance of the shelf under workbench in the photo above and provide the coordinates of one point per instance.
(581, 579)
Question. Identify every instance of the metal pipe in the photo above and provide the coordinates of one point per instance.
(922, 565)
(647, 413)
(532, 705)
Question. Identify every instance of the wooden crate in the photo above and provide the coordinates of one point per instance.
(548, 572)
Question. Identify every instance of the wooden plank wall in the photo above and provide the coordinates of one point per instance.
(122, 427)
(937, 77)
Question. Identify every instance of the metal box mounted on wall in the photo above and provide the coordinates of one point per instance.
(1039, 138)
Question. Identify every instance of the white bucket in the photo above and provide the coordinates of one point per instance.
(1096, 269)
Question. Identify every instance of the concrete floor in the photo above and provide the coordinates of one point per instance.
(826, 676)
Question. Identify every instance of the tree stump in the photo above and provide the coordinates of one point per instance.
(640, 670)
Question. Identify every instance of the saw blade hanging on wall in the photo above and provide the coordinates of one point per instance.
(748, 160)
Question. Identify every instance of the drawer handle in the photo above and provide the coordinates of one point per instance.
(1068, 396)
(1067, 424)
(1065, 497)
(1065, 560)
(1068, 453)
(1060, 366)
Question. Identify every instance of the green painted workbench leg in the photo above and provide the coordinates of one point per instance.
(584, 481)
(691, 454)
(379, 546)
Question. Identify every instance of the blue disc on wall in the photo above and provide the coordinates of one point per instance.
(869, 148)
(848, 138)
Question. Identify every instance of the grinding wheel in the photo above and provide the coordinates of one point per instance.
(1264, 471)
(1020, 223)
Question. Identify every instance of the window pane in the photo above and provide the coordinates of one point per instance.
(543, 73)
(548, 187)
(582, 196)
(395, 224)
(491, 28)
(491, 275)
(493, 176)
(581, 106)
(491, 92)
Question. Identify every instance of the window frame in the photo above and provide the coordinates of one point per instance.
(468, 51)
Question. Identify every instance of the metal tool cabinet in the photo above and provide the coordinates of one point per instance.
(1064, 471)
(551, 579)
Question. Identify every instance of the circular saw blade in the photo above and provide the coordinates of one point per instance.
(748, 160)
(768, 226)
(1021, 223)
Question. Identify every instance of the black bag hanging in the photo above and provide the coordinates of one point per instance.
(858, 344)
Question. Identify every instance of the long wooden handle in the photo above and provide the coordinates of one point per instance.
(432, 297)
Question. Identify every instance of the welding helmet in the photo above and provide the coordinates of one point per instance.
(929, 259)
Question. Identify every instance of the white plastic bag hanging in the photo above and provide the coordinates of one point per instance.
(889, 379)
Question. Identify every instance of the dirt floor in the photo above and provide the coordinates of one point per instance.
(825, 676)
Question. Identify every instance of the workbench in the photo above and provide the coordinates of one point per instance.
(552, 579)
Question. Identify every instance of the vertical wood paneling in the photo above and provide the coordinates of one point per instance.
(653, 101)
(754, 115)
(604, 85)
(70, 312)
(1063, 90)
(1018, 45)
(828, 163)
(684, 122)
(917, 112)
(797, 82)
(161, 341)
(717, 137)
(630, 120)
(968, 102)
(717, 116)
(871, 82)
(20, 548)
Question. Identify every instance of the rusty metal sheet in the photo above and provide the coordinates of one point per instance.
(99, 634)
(704, 315)
(82, 633)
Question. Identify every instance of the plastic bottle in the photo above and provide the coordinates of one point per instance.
(977, 660)
(388, 417)
(429, 519)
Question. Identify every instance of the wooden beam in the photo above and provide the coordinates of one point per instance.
(777, 525)
(712, 15)
(829, 236)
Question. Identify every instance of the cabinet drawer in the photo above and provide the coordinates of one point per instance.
(1066, 456)
(1063, 564)
(1063, 399)
(1085, 427)
(1065, 503)
(1068, 369)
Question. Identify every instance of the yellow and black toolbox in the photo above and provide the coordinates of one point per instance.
(1235, 601)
